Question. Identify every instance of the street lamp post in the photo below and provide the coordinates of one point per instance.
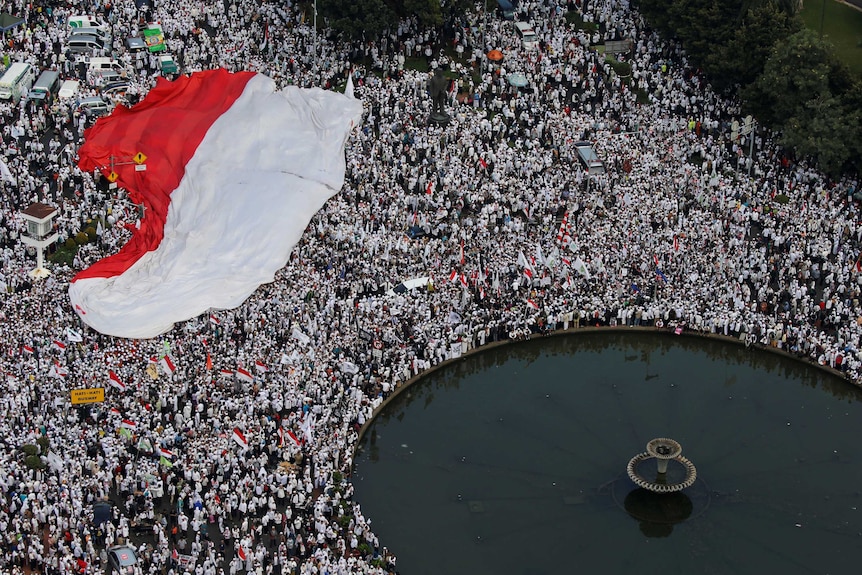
(747, 129)
(484, 26)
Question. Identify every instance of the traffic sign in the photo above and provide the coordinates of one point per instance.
(112, 177)
(139, 158)
(377, 344)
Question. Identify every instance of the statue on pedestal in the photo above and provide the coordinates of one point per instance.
(438, 90)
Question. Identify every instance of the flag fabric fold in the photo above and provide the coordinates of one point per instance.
(115, 381)
(167, 365)
(234, 172)
(239, 438)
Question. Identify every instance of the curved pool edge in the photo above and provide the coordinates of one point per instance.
(657, 331)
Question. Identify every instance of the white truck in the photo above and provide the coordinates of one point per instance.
(16, 81)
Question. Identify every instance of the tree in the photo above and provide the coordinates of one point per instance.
(357, 20)
(818, 129)
(740, 60)
(427, 12)
(808, 95)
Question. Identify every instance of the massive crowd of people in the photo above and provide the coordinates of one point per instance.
(212, 473)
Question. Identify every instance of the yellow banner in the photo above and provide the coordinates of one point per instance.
(90, 395)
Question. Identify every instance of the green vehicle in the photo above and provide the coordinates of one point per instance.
(167, 64)
(154, 37)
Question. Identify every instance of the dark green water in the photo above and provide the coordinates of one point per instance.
(512, 462)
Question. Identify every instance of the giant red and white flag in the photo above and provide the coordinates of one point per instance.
(234, 171)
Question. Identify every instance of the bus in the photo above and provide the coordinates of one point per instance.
(16, 81)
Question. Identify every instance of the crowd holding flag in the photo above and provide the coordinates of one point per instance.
(244, 375)
(239, 438)
(115, 381)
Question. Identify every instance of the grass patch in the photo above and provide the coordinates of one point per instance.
(418, 63)
(574, 18)
(842, 27)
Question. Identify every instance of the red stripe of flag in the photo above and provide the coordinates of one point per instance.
(239, 438)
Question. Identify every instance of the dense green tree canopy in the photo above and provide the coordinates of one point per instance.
(789, 79)
(807, 94)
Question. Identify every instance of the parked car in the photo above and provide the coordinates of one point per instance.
(94, 106)
(69, 89)
(122, 560)
(167, 64)
(119, 88)
(104, 77)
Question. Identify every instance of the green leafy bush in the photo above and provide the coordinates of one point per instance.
(34, 462)
(621, 68)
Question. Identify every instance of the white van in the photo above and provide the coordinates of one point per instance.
(85, 44)
(69, 89)
(104, 63)
(90, 31)
(85, 21)
(528, 36)
(16, 81)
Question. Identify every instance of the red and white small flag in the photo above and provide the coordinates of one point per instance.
(243, 375)
(294, 438)
(58, 345)
(239, 438)
(260, 366)
(676, 243)
(655, 259)
(225, 372)
(167, 365)
(528, 273)
(57, 370)
(162, 452)
(27, 349)
(115, 381)
(463, 280)
(128, 424)
(453, 277)
(241, 553)
(532, 304)
(214, 320)
(429, 189)
(115, 411)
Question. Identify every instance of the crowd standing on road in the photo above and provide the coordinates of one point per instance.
(238, 459)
